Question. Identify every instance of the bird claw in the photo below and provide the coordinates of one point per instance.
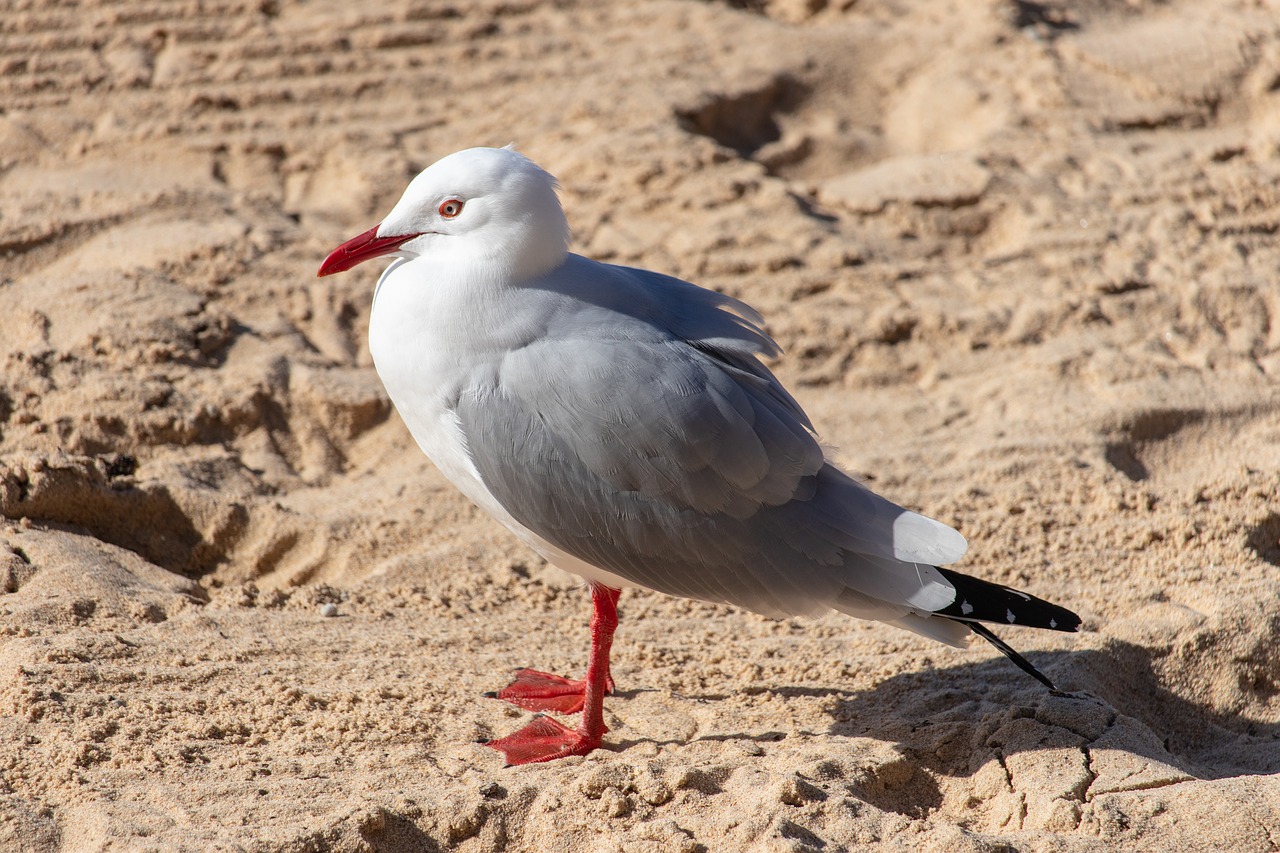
(544, 739)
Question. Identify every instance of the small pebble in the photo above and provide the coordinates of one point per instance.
(329, 609)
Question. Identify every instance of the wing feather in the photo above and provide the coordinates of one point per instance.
(642, 435)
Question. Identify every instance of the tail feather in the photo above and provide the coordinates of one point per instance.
(1008, 651)
(982, 601)
(979, 601)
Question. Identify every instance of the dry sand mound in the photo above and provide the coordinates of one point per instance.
(1022, 257)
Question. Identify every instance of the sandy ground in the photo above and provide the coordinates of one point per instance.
(1023, 260)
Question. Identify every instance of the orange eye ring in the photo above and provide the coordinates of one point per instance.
(451, 208)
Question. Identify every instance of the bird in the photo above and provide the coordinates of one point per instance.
(624, 425)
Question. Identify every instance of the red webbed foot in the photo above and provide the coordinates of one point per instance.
(542, 691)
(545, 739)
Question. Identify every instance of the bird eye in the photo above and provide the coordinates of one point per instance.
(451, 208)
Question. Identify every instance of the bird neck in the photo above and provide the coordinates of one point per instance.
(540, 244)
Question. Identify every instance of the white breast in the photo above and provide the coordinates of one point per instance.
(425, 357)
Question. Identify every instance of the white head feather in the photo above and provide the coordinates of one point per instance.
(509, 213)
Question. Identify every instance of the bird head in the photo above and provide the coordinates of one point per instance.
(482, 205)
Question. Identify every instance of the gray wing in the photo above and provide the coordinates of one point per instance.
(676, 460)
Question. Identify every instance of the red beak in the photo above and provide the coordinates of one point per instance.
(360, 249)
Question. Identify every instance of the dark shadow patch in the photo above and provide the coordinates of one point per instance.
(810, 209)
(83, 494)
(901, 786)
(119, 465)
(1264, 539)
(390, 832)
(1046, 18)
(745, 120)
(15, 569)
(755, 7)
(1158, 424)
(1123, 457)
(793, 831)
(708, 781)
(1129, 439)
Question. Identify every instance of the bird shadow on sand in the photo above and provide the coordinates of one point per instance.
(950, 719)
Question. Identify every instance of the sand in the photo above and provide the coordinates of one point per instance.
(1023, 261)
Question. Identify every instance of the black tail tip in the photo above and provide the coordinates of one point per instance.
(983, 601)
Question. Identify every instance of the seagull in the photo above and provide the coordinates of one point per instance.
(622, 423)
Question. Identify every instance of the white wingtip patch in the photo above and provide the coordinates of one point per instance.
(920, 539)
(934, 591)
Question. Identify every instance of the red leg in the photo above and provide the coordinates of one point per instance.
(545, 739)
(543, 691)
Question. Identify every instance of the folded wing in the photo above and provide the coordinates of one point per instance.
(645, 437)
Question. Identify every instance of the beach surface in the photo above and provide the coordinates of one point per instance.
(1022, 259)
